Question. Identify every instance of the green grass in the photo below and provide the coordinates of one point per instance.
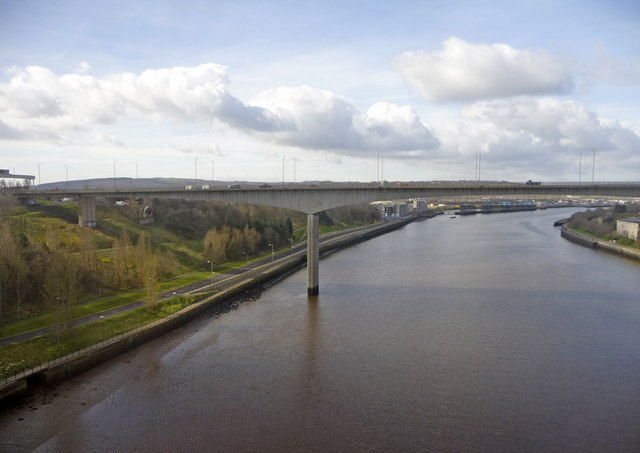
(101, 305)
(74, 312)
(621, 241)
(16, 357)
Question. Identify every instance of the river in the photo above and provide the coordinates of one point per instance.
(479, 333)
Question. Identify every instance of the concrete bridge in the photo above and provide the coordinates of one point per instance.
(314, 199)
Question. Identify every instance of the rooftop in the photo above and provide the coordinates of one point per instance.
(630, 219)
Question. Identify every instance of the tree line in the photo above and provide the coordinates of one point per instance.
(48, 263)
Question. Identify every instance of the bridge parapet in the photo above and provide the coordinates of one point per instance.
(316, 199)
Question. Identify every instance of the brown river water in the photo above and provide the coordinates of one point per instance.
(481, 333)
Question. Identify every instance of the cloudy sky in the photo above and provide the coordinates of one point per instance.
(237, 87)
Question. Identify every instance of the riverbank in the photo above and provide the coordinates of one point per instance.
(496, 210)
(599, 244)
(233, 290)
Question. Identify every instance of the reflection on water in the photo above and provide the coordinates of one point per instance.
(485, 333)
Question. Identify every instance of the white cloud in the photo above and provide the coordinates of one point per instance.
(319, 119)
(101, 137)
(8, 133)
(567, 125)
(36, 101)
(36, 97)
(199, 149)
(462, 71)
(542, 137)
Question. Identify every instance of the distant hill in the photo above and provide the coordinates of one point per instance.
(160, 183)
(133, 183)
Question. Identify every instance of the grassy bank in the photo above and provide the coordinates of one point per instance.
(16, 357)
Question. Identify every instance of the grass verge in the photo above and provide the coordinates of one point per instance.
(16, 357)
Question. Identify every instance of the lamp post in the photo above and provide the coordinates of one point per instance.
(245, 257)
(211, 262)
(580, 170)
(58, 312)
(271, 252)
(115, 184)
(101, 318)
(148, 289)
(291, 242)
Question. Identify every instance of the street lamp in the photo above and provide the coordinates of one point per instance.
(271, 245)
(245, 257)
(211, 262)
(148, 289)
(101, 318)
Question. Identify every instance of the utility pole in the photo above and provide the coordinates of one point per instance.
(580, 170)
(475, 174)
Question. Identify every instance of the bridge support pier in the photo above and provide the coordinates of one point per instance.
(313, 254)
(87, 212)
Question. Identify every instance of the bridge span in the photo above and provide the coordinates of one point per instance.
(313, 200)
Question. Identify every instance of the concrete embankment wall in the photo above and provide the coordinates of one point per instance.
(598, 244)
(78, 362)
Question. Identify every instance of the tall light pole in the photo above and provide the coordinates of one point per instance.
(100, 323)
(294, 169)
(580, 170)
(283, 168)
(211, 262)
(195, 172)
(271, 252)
(115, 185)
(212, 178)
(246, 259)
(136, 164)
(67, 168)
(593, 167)
(39, 180)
